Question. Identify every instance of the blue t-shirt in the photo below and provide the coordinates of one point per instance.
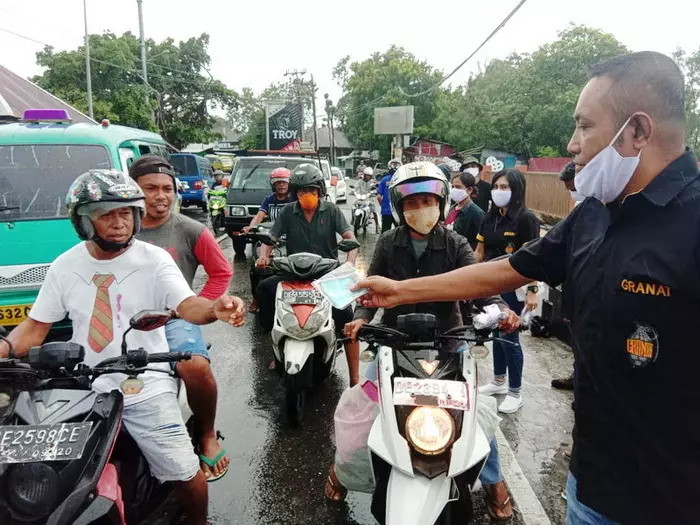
(272, 206)
(383, 190)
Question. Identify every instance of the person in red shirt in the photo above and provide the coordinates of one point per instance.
(190, 244)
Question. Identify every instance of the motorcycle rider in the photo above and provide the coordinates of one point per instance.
(364, 187)
(310, 225)
(100, 284)
(627, 257)
(190, 244)
(421, 245)
(218, 179)
(383, 195)
(270, 207)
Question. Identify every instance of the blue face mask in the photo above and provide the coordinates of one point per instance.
(337, 290)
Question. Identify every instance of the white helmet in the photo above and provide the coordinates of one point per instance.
(368, 171)
(395, 161)
(415, 178)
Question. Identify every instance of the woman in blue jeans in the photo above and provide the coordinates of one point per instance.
(508, 225)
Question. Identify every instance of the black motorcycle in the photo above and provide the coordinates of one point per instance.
(65, 457)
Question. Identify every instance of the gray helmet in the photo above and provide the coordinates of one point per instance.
(307, 175)
(103, 190)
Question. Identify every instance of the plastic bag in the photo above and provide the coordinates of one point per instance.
(354, 417)
(335, 286)
(487, 415)
(489, 318)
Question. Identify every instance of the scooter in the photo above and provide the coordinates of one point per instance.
(304, 338)
(362, 211)
(427, 447)
(217, 204)
(65, 457)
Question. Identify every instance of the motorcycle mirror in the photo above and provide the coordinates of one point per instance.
(148, 320)
(348, 245)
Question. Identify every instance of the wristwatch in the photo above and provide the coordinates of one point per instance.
(533, 288)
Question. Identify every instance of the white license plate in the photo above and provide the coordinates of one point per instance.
(301, 296)
(32, 443)
(409, 391)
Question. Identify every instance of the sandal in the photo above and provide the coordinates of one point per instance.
(493, 506)
(333, 489)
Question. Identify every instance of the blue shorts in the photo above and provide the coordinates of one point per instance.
(183, 336)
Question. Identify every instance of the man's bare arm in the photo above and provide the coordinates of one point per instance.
(28, 334)
(471, 282)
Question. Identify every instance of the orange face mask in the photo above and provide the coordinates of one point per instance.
(308, 201)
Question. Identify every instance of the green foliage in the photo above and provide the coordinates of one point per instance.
(526, 102)
(547, 151)
(384, 79)
(177, 101)
(690, 65)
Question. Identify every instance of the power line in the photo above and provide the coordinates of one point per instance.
(493, 33)
(23, 36)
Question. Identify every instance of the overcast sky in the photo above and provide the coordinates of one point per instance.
(253, 42)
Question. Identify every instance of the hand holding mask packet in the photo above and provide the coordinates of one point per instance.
(335, 286)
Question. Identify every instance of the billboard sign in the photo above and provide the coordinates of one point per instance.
(394, 120)
(284, 125)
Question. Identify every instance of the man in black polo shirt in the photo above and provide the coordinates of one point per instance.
(628, 257)
(311, 225)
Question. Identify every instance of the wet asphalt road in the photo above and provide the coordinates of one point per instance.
(277, 474)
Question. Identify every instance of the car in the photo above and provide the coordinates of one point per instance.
(341, 188)
(40, 156)
(249, 184)
(197, 172)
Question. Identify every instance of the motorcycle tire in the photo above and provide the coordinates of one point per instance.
(357, 224)
(295, 402)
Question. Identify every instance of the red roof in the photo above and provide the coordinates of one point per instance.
(547, 164)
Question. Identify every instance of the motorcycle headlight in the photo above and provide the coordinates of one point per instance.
(430, 430)
(33, 489)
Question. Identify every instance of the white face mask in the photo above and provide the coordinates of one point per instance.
(607, 174)
(458, 194)
(501, 198)
(577, 196)
(422, 220)
(473, 171)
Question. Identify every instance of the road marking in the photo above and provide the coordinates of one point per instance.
(527, 502)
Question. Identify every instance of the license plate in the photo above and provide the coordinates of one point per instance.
(409, 391)
(15, 314)
(301, 296)
(35, 443)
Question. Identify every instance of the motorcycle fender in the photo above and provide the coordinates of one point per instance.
(296, 353)
(416, 500)
(384, 438)
(468, 450)
(359, 213)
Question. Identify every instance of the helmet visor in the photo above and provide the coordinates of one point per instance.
(434, 187)
(98, 209)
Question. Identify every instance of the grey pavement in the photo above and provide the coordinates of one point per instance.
(277, 474)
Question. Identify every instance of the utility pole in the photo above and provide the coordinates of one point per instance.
(87, 62)
(144, 68)
(299, 82)
(330, 111)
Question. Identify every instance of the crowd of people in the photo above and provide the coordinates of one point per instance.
(451, 241)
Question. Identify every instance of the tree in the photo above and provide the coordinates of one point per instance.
(384, 79)
(690, 65)
(525, 102)
(248, 116)
(178, 100)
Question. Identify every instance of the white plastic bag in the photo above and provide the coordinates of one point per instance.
(354, 417)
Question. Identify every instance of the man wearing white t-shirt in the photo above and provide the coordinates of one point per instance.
(100, 284)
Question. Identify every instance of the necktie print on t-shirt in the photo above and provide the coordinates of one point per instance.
(101, 331)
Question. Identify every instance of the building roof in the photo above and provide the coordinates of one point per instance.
(324, 141)
(18, 94)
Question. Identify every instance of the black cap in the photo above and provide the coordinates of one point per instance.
(148, 164)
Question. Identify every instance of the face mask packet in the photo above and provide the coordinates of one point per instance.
(335, 286)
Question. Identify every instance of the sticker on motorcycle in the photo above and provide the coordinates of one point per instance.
(409, 391)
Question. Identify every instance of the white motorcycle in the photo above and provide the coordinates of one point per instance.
(426, 446)
(303, 335)
(362, 213)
